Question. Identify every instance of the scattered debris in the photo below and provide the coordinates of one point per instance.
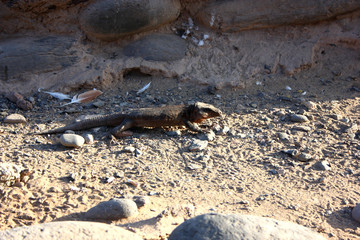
(79, 98)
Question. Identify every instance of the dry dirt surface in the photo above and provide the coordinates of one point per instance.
(244, 170)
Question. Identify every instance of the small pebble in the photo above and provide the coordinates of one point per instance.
(15, 118)
(192, 166)
(224, 130)
(302, 128)
(280, 113)
(89, 138)
(291, 152)
(304, 157)
(71, 140)
(322, 165)
(152, 193)
(336, 116)
(141, 200)
(132, 183)
(209, 136)
(217, 128)
(310, 105)
(283, 136)
(345, 120)
(176, 133)
(198, 145)
(119, 174)
(273, 171)
(138, 152)
(298, 118)
(128, 149)
(110, 179)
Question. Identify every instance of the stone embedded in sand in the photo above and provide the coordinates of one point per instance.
(72, 140)
(65, 230)
(322, 166)
(283, 136)
(298, 118)
(157, 47)
(34, 55)
(198, 145)
(233, 15)
(304, 157)
(234, 227)
(110, 20)
(113, 209)
(356, 212)
(15, 118)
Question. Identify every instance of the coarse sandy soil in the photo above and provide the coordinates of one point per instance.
(242, 171)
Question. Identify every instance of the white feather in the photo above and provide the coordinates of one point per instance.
(144, 88)
(57, 95)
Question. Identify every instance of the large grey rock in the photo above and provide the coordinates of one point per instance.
(157, 47)
(233, 15)
(40, 6)
(111, 19)
(34, 55)
(69, 230)
(113, 209)
(234, 227)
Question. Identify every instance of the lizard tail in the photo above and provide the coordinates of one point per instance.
(86, 124)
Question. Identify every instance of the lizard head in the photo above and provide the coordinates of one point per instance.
(202, 111)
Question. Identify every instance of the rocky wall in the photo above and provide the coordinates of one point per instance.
(64, 44)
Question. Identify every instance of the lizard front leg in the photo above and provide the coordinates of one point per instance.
(193, 126)
(119, 131)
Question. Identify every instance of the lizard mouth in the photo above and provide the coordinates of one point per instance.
(200, 120)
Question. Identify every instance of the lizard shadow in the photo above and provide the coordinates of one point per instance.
(48, 147)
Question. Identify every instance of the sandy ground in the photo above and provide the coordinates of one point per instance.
(242, 171)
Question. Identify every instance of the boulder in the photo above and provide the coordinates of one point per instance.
(112, 19)
(34, 55)
(40, 6)
(113, 209)
(69, 230)
(232, 15)
(157, 47)
(215, 226)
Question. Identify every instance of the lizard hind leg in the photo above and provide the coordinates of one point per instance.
(120, 131)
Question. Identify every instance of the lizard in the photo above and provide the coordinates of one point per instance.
(171, 115)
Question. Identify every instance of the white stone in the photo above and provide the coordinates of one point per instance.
(72, 140)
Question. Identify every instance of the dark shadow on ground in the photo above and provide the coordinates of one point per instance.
(343, 220)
